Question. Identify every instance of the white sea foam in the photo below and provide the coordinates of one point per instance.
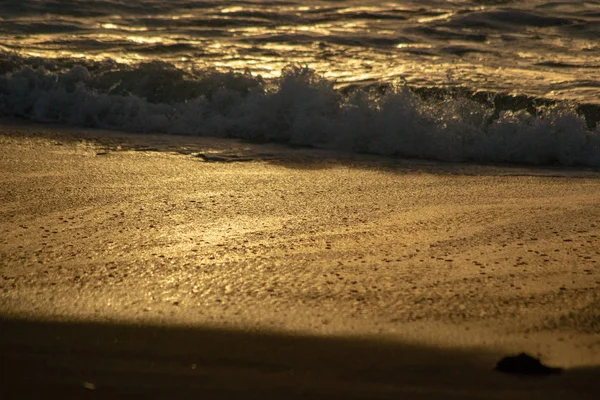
(299, 108)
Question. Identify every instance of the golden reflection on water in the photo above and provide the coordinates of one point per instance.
(124, 27)
(435, 18)
(341, 64)
(231, 10)
(149, 39)
(343, 48)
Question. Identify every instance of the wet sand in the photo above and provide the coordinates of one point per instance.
(119, 253)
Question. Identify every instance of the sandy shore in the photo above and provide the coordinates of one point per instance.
(442, 263)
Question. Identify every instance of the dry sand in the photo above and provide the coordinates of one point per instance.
(437, 263)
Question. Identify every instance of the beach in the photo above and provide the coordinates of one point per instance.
(108, 235)
(324, 199)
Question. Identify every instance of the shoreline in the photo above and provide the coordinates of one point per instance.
(107, 226)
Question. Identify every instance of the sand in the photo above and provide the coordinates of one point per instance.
(406, 267)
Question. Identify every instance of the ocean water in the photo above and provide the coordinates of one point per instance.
(460, 80)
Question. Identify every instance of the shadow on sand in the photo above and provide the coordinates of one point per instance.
(107, 360)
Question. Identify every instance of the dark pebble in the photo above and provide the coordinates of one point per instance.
(524, 364)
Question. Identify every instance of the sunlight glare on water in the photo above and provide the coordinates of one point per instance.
(536, 47)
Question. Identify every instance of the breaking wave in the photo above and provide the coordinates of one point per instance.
(300, 108)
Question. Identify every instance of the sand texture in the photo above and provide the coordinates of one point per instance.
(368, 277)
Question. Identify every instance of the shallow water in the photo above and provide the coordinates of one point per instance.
(541, 48)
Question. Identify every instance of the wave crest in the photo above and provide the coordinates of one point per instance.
(302, 108)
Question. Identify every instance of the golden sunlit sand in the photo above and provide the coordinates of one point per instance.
(102, 227)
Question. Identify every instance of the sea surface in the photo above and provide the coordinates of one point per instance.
(463, 80)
